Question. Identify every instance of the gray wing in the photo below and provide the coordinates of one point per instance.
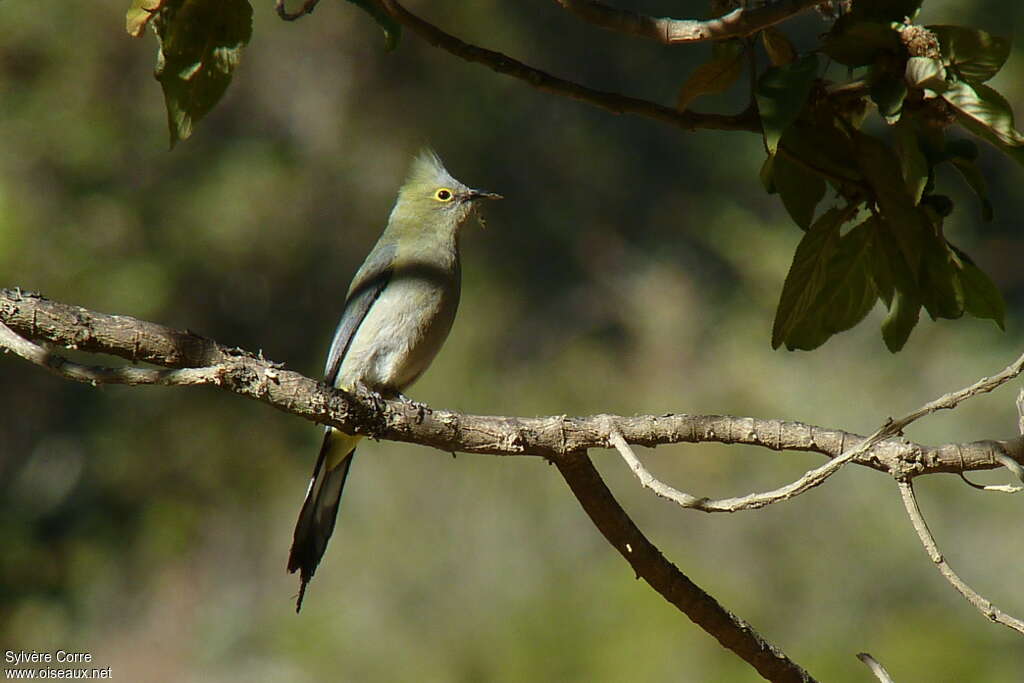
(369, 282)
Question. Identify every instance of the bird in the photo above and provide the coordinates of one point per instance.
(398, 312)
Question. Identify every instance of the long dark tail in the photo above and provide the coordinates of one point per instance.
(320, 509)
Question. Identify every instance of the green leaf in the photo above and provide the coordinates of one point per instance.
(986, 113)
(888, 92)
(779, 48)
(139, 14)
(903, 315)
(714, 76)
(986, 107)
(849, 293)
(807, 274)
(392, 29)
(201, 43)
(941, 292)
(982, 298)
(976, 180)
(890, 271)
(767, 174)
(885, 10)
(857, 43)
(973, 53)
(823, 147)
(913, 165)
(925, 72)
(881, 168)
(781, 94)
(800, 189)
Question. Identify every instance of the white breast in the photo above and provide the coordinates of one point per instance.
(399, 337)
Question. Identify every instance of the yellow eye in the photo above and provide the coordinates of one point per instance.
(443, 195)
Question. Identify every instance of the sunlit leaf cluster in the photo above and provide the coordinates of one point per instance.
(884, 240)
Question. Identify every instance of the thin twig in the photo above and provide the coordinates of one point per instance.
(1010, 464)
(876, 667)
(613, 102)
(753, 501)
(307, 8)
(738, 23)
(980, 603)
(818, 475)
(955, 398)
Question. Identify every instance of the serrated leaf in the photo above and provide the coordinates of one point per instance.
(139, 14)
(807, 274)
(781, 94)
(881, 168)
(973, 53)
(904, 313)
(201, 43)
(392, 29)
(856, 43)
(986, 108)
(849, 293)
(925, 72)
(800, 189)
(976, 180)
(913, 165)
(779, 48)
(982, 298)
(713, 77)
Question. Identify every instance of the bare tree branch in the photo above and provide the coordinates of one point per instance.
(738, 23)
(980, 603)
(36, 318)
(664, 577)
(613, 102)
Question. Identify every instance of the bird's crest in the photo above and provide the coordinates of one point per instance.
(428, 170)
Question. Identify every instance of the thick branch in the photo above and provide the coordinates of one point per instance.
(613, 102)
(664, 577)
(738, 23)
(38, 319)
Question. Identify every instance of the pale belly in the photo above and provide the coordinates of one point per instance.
(398, 339)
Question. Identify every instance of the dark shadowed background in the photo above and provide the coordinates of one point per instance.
(632, 268)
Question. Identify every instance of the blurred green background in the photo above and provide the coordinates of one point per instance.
(632, 268)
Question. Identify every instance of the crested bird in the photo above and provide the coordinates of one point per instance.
(398, 311)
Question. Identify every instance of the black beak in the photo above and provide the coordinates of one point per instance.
(473, 195)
